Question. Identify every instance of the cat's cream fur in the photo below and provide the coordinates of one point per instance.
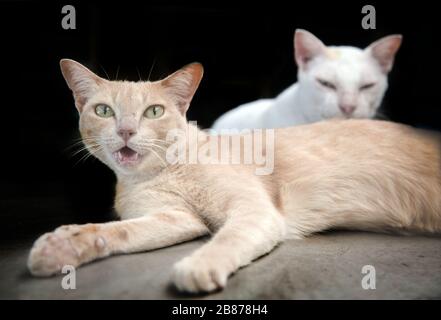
(358, 77)
(356, 174)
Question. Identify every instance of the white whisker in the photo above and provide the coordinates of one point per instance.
(157, 155)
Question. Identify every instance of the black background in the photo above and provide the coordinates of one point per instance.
(246, 49)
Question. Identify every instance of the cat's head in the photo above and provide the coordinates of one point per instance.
(124, 123)
(343, 81)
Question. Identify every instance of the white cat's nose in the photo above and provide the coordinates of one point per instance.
(347, 109)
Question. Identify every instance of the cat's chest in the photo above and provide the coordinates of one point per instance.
(164, 193)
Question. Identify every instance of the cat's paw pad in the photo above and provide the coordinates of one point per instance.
(197, 274)
(67, 245)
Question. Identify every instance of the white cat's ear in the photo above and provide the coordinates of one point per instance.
(384, 50)
(80, 80)
(306, 47)
(182, 84)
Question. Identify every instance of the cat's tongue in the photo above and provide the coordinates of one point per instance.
(126, 156)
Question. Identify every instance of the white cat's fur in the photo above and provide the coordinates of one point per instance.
(356, 174)
(307, 101)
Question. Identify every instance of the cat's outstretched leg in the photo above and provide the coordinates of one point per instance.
(245, 236)
(78, 244)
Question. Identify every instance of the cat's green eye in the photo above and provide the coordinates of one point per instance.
(367, 86)
(154, 111)
(327, 84)
(104, 111)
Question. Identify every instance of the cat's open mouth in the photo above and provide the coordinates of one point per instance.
(126, 156)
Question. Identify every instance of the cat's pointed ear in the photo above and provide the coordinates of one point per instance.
(384, 50)
(80, 80)
(182, 84)
(306, 47)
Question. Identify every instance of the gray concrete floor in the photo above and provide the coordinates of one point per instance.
(326, 266)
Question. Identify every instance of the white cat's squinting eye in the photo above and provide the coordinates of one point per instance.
(327, 84)
(154, 111)
(367, 86)
(104, 111)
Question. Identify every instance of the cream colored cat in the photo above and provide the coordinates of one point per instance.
(356, 174)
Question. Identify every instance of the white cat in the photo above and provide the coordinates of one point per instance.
(333, 82)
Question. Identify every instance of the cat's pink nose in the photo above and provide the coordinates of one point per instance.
(126, 133)
(347, 109)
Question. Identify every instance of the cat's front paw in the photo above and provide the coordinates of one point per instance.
(67, 245)
(198, 274)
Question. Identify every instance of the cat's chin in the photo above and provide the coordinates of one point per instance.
(127, 157)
